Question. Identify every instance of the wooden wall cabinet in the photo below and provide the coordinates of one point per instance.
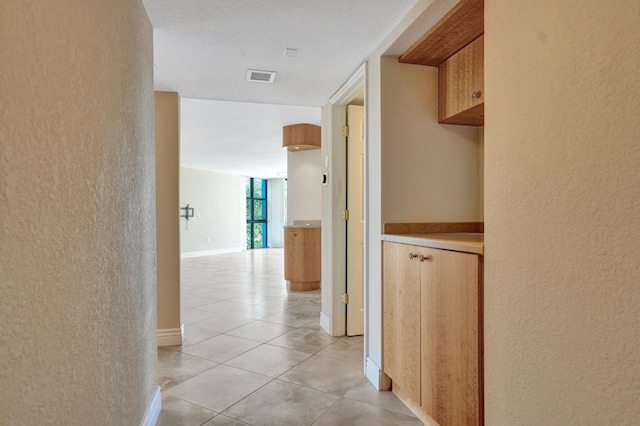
(461, 86)
(432, 331)
(302, 257)
(455, 45)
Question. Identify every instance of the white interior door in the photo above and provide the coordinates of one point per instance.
(355, 224)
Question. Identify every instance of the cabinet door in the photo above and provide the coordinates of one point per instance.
(293, 266)
(450, 338)
(401, 319)
(461, 86)
(302, 254)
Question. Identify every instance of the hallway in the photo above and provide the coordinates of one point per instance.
(254, 354)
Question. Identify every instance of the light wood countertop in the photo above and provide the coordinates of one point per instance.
(467, 242)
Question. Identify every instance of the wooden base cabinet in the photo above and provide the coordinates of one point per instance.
(401, 319)
(432, 332)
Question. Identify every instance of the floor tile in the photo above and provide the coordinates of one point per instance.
(223, 306)
(264, 335)
(325, 374)
(221, 348)
(220, 294)
(273, 292)
(280, 303)
(195, 289)
(365, 392)
(219, 388)
(260, 331)
(176, 367)
(348, 412)
(282, 404)
(304, 339)
(195, 301)
(345, 351)
(268, 360)
(295, 319)
(305, 307)
(182, 413)
(191, 315)
(193, 335)
(221, 420)
(223, 322)
(308, 296)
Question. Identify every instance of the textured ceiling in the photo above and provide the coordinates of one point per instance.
(236, 137)
(203, 49)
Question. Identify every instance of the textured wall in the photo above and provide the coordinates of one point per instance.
(562, 203)
(77, 229)
(219, 200)
(167, 143)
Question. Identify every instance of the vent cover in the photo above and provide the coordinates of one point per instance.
(261, 76)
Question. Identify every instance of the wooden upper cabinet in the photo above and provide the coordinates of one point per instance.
(463, 24)
(461, 86)
(456, 46)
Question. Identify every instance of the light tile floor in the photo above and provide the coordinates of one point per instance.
(254, 354)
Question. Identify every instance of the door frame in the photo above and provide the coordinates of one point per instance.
(333, 317)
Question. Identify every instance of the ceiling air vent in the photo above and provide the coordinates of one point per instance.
(261, 76)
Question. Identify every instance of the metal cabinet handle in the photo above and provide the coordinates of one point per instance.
(412, 256)
(423, 258)
(476, 94)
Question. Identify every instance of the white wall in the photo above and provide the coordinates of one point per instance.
(429, 170)
(219, 202)
(304, 183)
(562, 203)
(77, 213)
(276, 194)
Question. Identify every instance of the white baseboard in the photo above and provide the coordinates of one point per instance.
(210, 252)
(376, 376)
(325, 323)
(171, 336)
(153, 410)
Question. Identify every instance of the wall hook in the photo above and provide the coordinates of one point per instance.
(188, 212)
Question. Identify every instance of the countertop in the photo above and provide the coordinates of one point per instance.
(301, 226)
(467, 242)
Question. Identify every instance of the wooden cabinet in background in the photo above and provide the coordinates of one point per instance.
(441, 291)
(461, 86)
(302, 257)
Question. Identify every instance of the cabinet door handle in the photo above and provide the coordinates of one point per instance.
(412, 256)
(476, 94)
(423, 258)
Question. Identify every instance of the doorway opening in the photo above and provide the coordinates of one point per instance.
(344, 298)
